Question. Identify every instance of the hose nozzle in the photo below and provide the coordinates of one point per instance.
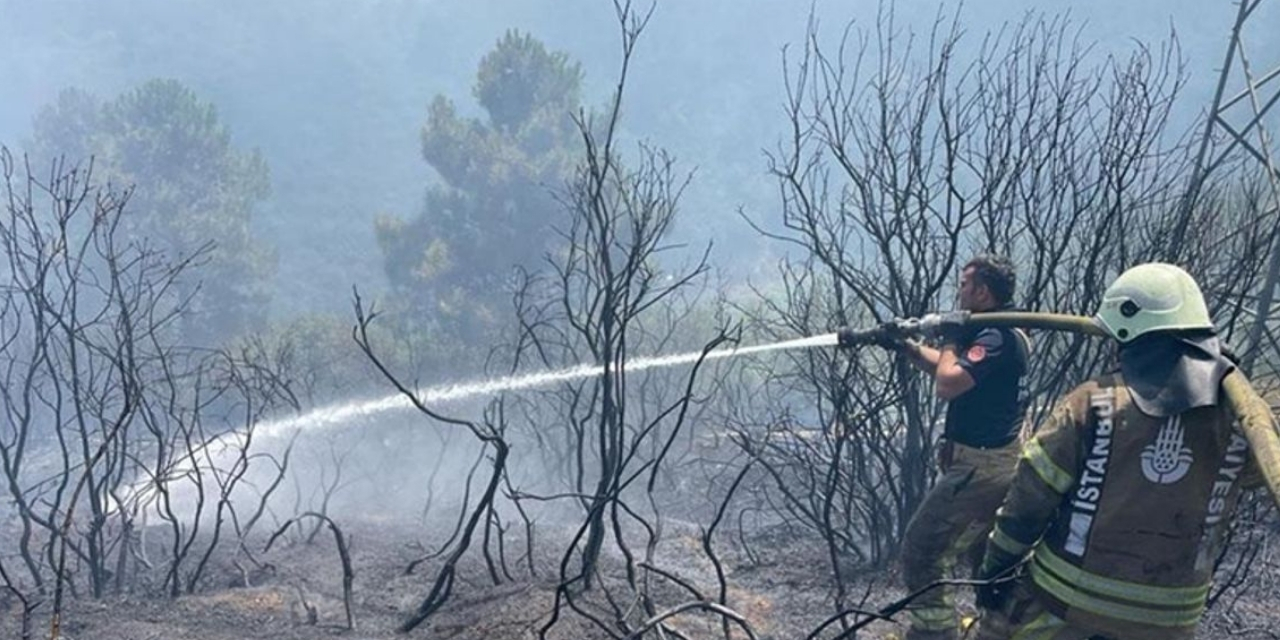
(930, 326)
(850, 337)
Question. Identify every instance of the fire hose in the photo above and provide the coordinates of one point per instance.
(1249, 409)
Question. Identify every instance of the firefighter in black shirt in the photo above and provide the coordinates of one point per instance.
(978, 374)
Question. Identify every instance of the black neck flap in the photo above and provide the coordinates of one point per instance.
(1170, 373)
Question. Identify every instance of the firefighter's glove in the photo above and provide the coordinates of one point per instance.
(993, 595)
(999, 571)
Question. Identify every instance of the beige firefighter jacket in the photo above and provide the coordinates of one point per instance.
(1126, 512)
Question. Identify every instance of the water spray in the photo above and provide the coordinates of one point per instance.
(344, 413)
(337, 414)
(1249, 409)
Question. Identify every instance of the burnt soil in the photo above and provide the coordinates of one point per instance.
(783, 588)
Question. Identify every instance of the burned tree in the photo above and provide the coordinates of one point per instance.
(82, 306)
(105, 414)
(607, 299)
(492, 436)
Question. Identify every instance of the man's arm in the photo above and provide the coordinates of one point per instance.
(950, 379)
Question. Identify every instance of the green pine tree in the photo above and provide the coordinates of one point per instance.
(193, 191)
(493, 208)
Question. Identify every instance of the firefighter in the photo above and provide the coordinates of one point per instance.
(1124, 494)
(978, 373)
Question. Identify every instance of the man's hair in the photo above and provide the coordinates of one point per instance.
(997, 274)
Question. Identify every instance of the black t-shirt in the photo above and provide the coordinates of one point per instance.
(990, 414)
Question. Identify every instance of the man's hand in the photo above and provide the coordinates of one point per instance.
(952, 326)
(999, 569)
(992, 596)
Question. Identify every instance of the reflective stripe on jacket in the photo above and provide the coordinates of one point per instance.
(1125, 512)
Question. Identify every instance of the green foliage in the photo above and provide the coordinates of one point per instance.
(194, 192)
(520, 78)
(493, 209)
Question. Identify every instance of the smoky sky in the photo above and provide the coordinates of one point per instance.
(334, 93)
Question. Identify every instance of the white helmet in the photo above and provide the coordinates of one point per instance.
(1152, 297)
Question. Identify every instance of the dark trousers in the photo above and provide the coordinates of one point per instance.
(951, 527)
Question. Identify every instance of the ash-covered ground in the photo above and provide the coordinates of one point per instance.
(783, 588)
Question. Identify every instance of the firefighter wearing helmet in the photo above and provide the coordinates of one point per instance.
(1122, 499)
